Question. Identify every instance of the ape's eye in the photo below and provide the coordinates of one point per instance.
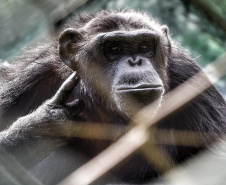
(144, 47)
(115, 49)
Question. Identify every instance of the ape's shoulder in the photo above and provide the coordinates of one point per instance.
(30, 79)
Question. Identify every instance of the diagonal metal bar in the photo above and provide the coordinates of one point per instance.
(13, 173)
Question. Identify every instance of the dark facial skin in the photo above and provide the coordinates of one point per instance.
(127, 69)
(132, 56)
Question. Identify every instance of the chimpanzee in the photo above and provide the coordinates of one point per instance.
(117, 62)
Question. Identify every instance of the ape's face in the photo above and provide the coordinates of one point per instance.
(124, 66)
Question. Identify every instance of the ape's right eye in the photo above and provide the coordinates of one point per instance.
(115, 49)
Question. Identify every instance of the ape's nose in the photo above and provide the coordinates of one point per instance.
(135, 61)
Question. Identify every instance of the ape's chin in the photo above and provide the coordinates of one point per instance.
(144, 97)
(132, 101)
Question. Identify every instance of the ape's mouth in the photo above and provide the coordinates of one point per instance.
(143, 94)
(142, 87)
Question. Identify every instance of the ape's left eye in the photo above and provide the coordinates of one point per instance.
(144, 47)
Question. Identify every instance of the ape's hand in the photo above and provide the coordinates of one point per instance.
(46, 128)
(57, 107)
(54, 117)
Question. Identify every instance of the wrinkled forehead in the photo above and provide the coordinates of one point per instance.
(120, 21)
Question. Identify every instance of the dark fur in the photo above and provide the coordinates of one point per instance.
(38, 73)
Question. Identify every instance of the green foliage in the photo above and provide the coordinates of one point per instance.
(207, 46)
(219, 5)
(20, 22)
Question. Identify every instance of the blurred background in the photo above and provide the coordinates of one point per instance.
(199, 25)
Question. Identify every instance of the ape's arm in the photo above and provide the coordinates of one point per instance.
(35, 135)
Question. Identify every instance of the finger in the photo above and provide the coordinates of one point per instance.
(75, 107)
(65, 90)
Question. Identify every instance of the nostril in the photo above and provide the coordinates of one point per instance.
(131, 62)
(139, 63)
(136, 61)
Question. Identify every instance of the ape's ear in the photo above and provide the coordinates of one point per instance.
(68, 40)
(165, 30)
